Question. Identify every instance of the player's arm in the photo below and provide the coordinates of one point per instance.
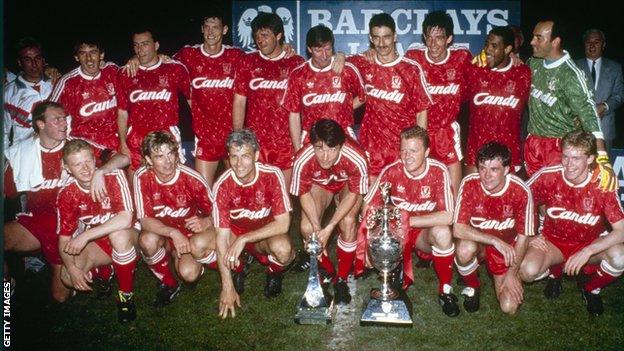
(308, 206)
(433, 219)
(466, 232)
(98, 186)
(294, 127)
(238, 111)
(156, 226)
(343, 208)
(357, 103)
(421, 119)
(512, 281)
(80, 279)
(574, 264)
(122, 131)
(229, 297)
(121, 220)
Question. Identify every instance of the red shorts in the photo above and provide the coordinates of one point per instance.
(474, 144)
(305, 136)
(105, 245)
(494, 261)
(541, 152)
(379, 158)
(280, 156)
(567, 248)
(43, 228)
(210, 149)
(135, 138)
(445, 144)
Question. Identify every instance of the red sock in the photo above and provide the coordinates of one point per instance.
(102, 272)
(469, 274)
(556, 271)
(602, 277)
(213, 266)
(210, 260)
(326, 264)
(345, 253)
(274, 266)
(159, 265)
(443, 266)
(125, 264)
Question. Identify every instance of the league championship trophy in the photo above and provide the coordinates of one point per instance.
(314, 307)
(385, 249)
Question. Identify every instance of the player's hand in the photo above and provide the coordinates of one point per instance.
(370, 55)
(507, 251)
(339, 62)
(604, 175)
(539, 243)
(513, 285)
(131, 68)
(228, 301)
(180, 242)
(80, 279)
(165, 58)
(98, 186)
(234, 251)
(75, 245)
(197, 224)
(52, 73)
(480, 60)
(324, 234)
(575, 263)
(289, 50)
(124, 149)
(601, 108)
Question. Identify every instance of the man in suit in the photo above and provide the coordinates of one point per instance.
(606, 81)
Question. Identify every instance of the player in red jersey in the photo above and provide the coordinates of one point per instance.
(421, 187)
(252, 213)
(211, 67)
(315, 91)
(174, 207)
(396, 95)
(149, 101)
(498, 95)
(574, 237)
(96, 233)
(332, 168)
(35, 167)
(88, 95)
(444, 67)
(261, 80)
(494, 217)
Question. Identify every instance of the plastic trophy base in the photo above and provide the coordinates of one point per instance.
(314, 315)
(388, 313)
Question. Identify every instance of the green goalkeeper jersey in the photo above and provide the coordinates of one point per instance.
(561, 100)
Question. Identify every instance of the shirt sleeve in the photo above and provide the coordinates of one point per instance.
(356, 83)
(119, 192)
(526, 213)
(280, 200)
(612, 207)
(581, 101)
(67, 214)
(184, 81)
(242, 75)
(420, 96)
(144, 205)
(291, 100)
(221, 206)
(121, 90)
(463, 205)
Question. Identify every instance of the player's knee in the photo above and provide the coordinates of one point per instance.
(200, 247)
(442, 237)
(60, 293)
(148, 243)
(615, 256)
(508, 307)
(189, 273)
(282, 252)
(306, 228)
(464, 252)
(529, 271)
(121, 240)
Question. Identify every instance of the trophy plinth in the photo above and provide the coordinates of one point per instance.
(315, 307)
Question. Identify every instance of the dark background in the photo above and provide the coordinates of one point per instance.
(59, 24)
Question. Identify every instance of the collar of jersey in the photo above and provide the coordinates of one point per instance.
(559, 62)
(448, 55)
(54, 149)
(325, 69)
(500, 192)
(572, 185)
(389, 64)
(173, 180)
(205, 53)
(27, 83)
(86, 191)
(237, 181)
(420, 176)
(276, 58)
(151, 67)
(504, 69)
(88, 77)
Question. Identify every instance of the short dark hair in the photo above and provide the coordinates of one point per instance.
(328, 131)
(269, 21)
(416, 132)
(88, 41)
(154, 140)
(438, 19)
(144, 29)
(506, 33)
(38, 112)
(494, 150)
(382, 20)
(319, 35)
(27, 42)
(559, 30)
(242, 137)
(582, 140)
(214, 14)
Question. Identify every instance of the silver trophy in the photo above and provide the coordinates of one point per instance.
(315, 307)
(385, 249)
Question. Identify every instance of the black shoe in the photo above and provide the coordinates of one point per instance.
(103, 288)
(126, 310)
(593, 302)
(302, 262)
(165, 295)
(273, 285)
(247, 260)
(449, 304)
(238, 278)
(553, 288)
(471, 303)
(341, 291)
(421, 263)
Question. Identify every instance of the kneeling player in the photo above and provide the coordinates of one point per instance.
(252, 213)
(422, 187)
(574, 236)
(96, 233)
(174, 206)
(493, 218)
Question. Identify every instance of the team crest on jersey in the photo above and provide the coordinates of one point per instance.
(85, 95)
(106, 203)
(259, 197)
(310, 85)
(110, 88)
(236, 201)
(510, 86)
(400, 188)
(588, 203)
(396, 82)
(163, 81)
(336, 82)
(450, 74)
(227, 68)
(507, 211)
(425, 192)
(181, 200)
(369, 77)
(551, 85)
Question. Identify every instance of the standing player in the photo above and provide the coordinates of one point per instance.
(252, 213)
(149, 101)
(211, 67)
(95, 233)
(35, 167)
(332, 168)
(315, 91)
(574, 233)
(498, 94)
(174, 206)
(444, 67)
(493, 219)
(260, 84)
(421, 187)
(88, 95)
(396, 95)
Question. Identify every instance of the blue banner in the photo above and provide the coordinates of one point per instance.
(349, 21)
(617, 157)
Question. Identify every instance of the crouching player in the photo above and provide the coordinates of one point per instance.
(252, 213)
(493, 218)
(574, 236)
(174, 207)
(96, 232)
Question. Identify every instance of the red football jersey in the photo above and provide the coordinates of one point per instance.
(504, 214)
(426, 193)
(186, 195)
(212, 88)
(395, 92)
(350, 169)
(574, 213)
(246, 207)
(263, 81)
(322, 93)
(92, 104)
(151, 97)
(76, 209)
(497, 99)
(446, 80)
